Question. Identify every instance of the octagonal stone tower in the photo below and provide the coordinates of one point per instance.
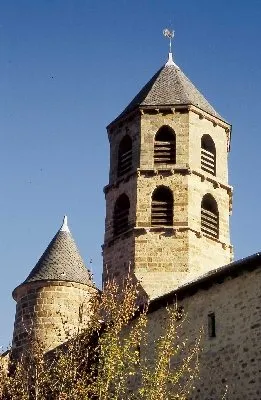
(168, 200)
(54, 300)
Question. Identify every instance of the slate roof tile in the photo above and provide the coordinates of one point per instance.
(61, 261)
(169, 87)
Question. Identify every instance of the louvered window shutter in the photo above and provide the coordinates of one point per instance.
(125, 156)
(209, 217)
(208, 155)
(162, 207)
(121, 215)
(165, 146)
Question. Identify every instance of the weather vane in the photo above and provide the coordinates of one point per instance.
(169, 34)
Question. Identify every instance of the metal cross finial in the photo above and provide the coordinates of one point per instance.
(169, 34)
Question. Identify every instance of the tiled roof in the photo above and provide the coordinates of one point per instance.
(169, 87)
(61, 261)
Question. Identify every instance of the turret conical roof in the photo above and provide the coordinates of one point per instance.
(169, 87)
(61, 261)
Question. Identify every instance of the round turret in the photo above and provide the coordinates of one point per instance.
(54, 300)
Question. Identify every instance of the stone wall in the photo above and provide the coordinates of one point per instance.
(233, 357)
(198, 126)
(50, 312)
(165, 258)
(132, 128)
(129, 187)
(118, 252)
(164, 261)
(151, 122)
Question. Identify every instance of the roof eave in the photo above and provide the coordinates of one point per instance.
(215, 276)
(123, 117)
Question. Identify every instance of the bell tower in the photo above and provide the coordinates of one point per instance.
(168, 200)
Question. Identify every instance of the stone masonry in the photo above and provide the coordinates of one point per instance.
(50, 313)
(54, 301)
(177, 262)
(232, 359)
(164, 258)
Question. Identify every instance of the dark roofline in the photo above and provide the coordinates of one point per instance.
(204, 282)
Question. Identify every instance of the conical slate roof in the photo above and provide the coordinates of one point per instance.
(61, 261)
(169, 87)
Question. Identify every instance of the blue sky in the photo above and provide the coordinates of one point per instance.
(68, 68)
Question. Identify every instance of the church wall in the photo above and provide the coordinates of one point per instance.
(118, 258)
(146, 184)
(49, 312)
(167, 258)
(161, 256)
(233, 357)
(206, 254)
(118, 252)
(199, 127)
(161, 261)
(150, 124)
(128, 187)
(130, 127)
(196, 190)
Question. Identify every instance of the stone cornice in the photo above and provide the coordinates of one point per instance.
(175, 169)
(171, 110)
(136, 231)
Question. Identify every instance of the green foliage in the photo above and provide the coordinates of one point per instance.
(113, 358)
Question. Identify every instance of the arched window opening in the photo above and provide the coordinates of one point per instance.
(121, 215)
(125, 156)
(209, 216)
(165, 146)
(162, 207)
(208, 155)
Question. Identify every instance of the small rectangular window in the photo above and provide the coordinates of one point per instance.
(211, 325)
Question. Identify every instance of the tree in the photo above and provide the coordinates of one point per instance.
(110, 359)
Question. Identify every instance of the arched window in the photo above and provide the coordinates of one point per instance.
(165, 146)
(162, 207)
(209, 216)
(125, 156)
(121, 215)
(208, 155)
